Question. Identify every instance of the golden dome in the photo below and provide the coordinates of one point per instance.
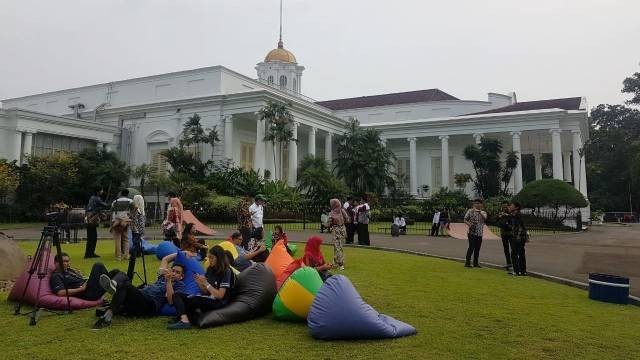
(280, 54)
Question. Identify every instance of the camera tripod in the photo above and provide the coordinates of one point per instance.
(40, 265)
(136, 251)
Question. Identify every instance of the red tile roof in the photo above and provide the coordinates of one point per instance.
(565, 104)
(388, 99)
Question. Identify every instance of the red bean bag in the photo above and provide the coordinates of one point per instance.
(47, 299)
(295, 265)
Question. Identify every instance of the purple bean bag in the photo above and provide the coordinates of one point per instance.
(339, 313)
(47, 299)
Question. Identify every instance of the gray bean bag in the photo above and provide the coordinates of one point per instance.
(251, 297)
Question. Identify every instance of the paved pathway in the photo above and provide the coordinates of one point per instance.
(608, 249)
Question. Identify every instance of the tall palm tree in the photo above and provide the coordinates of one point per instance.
(142, 172)
(159, 180)
(278, 119)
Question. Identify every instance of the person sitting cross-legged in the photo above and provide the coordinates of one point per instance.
(129, 300)
(215, 289)
(243, 261)
(313, 257)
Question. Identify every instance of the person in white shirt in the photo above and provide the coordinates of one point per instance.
(364, 213)
(435, 224)
(120, 220)
(257, 213)
(402, 224)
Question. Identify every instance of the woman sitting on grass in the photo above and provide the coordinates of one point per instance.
(313, 257)
(215, 288)
(190, 244)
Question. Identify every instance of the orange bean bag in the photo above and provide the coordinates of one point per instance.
(278, 259)
(290, 269)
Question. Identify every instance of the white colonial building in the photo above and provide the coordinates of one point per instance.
(138, 118)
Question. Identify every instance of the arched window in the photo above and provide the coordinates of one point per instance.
(283, 81)
(295, 85)
(270, 79)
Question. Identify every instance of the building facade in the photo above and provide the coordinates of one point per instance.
(138, 118)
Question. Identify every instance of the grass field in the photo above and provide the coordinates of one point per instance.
(459, 313)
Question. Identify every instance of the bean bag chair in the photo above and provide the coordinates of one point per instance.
(268, 239)
(278, 259)
(295, 265)
(165, 248)
(293, 248)
(45, 297)
(294, 298)
(192, 266)
(228, 245)
(251, 298)
(338, 312)
(147, 247)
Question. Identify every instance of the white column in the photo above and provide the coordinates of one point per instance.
(583, 176)
(556, 147)
(413, 167)
(228, 137)
(259, 153)
(107, 147)
(566, 165)
(270, 160)
(576, 146)
(537, 157)
(99, 146)
(444, 162)
(28, 143)
(293, 156)
(312, 141)
(478, 137)
(517, 173)
(17, 152)
(328, 140)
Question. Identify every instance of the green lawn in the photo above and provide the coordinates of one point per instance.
(459, 313)
(11, 226)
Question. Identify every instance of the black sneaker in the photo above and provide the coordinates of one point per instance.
(477, 266)
(101, 324)
(100, 311)
(467, 265)
(107, 284)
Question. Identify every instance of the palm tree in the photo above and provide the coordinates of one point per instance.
(212, 138)
(278, 119)
(489, 169)
(142, 172)
(159, 180)
(193, 134)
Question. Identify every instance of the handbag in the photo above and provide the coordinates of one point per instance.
(93, 218)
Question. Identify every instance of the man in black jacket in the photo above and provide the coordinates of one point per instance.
(504, 222)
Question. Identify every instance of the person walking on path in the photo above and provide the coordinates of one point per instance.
(519, 238)
(435, 223)
(504, 223)
(337, 219)
(444, 221)
(474, 218)
(95, 205)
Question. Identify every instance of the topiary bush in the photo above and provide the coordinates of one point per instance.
(551, 193)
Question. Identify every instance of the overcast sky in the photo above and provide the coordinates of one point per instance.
(540, 49)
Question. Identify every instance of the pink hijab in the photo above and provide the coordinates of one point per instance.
(337, 214)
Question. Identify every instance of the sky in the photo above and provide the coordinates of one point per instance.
(540, 49)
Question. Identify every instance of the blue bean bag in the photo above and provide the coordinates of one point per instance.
(165, 248)
(147, 247)
(191, 266)
(339, 313)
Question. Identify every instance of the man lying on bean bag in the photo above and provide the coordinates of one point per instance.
(75, 283)
(129, 300)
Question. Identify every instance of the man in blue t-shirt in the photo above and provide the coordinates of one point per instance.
(129, 300)
(243, 261)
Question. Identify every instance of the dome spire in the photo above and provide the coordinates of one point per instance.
(280, 43)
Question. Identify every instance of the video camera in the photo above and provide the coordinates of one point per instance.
(54, 217)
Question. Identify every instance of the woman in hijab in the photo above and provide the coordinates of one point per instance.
(337, 219)
(313, 257)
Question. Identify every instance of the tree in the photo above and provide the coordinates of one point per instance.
(461, 180)
(631, 85)
(551, 193)
(9, 178)
(185, 162)
(612, 157)
(158, 180)
(278, 120)
(46, 180)
(363, 162)
(317, 182)
(490, 171)
(142, 172)
(193, 134)
(99, 168)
